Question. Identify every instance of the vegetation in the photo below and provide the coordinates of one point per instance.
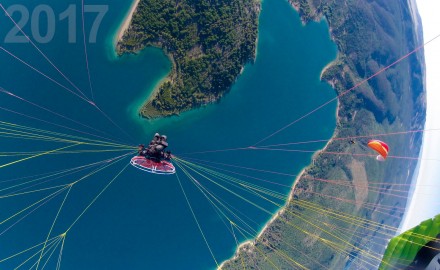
(402, 249)
(208, 41)
(370, 35)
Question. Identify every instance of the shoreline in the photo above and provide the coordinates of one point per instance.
(155, 91)
(251, 243)
(329, 65)
(127, 21)
(125, 25)
(154, 113)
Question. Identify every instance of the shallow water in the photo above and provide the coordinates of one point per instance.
(142, 221)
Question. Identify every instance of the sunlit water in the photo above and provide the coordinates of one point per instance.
(142, 221)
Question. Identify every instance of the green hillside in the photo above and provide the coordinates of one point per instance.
(346, 221)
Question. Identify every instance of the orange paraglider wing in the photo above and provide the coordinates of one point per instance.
(380, 147)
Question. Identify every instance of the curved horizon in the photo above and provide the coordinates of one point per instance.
(423, 196)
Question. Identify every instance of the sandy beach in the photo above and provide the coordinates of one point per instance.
(127, 20)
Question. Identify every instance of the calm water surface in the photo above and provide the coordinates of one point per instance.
(142, 221)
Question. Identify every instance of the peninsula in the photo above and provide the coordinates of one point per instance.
(208, 44)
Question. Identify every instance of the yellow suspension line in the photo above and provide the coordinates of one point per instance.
(258, 250)
(36, 253)
(12, 154)
(38, 155)
(32, 136)
(238, 195)
(323, 230)
(32, 191)
(58, 140)
(247, 199)
(238, 245)
(35, 136)
(74, 170)
(61, 252)
(94, 200)
(349, 220)
(33, 130)
(197, 222)
(199, 186)
(53, 224)
(100, 169)
(361, 221)
(282, 197)
(284, 256)
(233, 179)
(244, 183)
(26, 250)
(50, 255)
(56, 193)
(213, 196)
(351, 217)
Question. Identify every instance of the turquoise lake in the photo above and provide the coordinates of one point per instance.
(142, 221)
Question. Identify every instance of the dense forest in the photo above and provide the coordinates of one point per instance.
(208, 42)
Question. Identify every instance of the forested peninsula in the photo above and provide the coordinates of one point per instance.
(208, 43)
(324, 225)
(343, 210)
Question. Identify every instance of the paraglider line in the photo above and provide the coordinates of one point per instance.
(26, 250)
(241, 167)
(42, 137)
(351, 137)
(55, 113)
(41, 154)
(216, 151)
(53, 224)
(113, 122)
(85, 49)
(340, 153)
(96, 198)
(347, 91)
(42, 74)
(36, 47)
(248, 176)
(195, 218)
(25, 216)
(59, 84)
(61, 252)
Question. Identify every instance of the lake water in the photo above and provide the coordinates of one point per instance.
(142, 221)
